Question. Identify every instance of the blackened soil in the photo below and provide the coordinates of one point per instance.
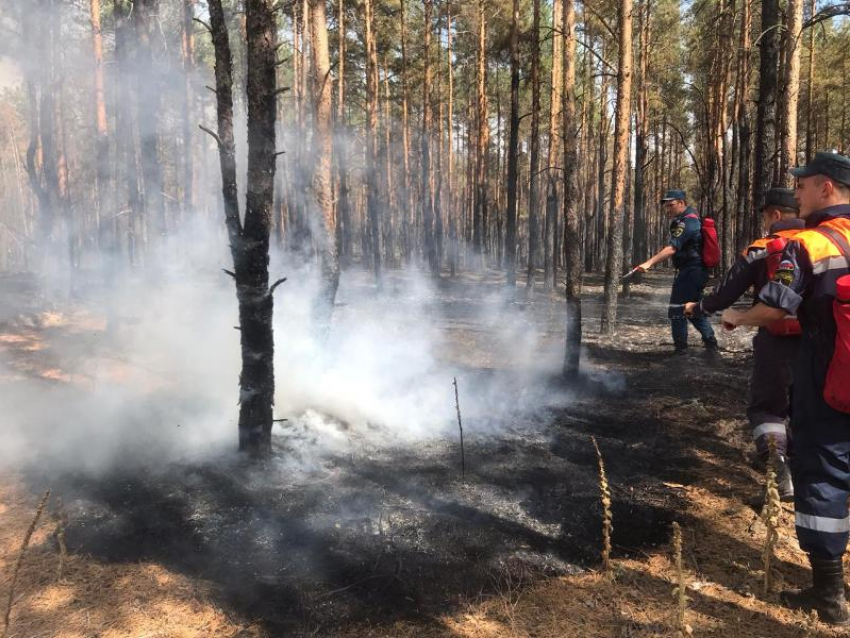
(386, 534)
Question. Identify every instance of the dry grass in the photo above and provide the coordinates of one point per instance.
(95, 599)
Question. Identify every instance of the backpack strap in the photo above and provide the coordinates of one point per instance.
(838, 239)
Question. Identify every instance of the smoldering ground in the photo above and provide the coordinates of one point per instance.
(363, 511)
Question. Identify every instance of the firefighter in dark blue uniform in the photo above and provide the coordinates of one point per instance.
(685, 247)
(804, 284)
(774, 347)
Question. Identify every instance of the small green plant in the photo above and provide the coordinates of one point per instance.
(607, 517)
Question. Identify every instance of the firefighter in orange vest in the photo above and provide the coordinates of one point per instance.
(805, 285)
(774, 347)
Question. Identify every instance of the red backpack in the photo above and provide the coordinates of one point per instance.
(710, 244)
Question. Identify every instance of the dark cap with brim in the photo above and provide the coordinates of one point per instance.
(672, 195)
(832, 165)
(782, 198)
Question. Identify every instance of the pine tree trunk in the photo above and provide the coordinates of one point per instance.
(149, 96)
(452, 211)
(614, 261)
(188, 158)
(322, 160)
(810, 84)
(572, 230)
(249, 242)
(372, 196)
(533, 231)
(426, 195)
(101, 131)
(513, 154)
(791, 93)
(765, 143)
(549, 257)
(642, 138)
(479, 240)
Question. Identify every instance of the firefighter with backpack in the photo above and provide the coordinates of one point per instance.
(693, 246)
(812, 282)
(775, 345)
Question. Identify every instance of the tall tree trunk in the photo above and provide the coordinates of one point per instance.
(407, 221)
(790, 98)
(550, 268)
(372, 201)
(249, 242)
(642, 137)
(765, 143)
(572, 230)
(810, 84)
(534, 152)
(343, 222)
(513, 153)
(614, 262)
(427, 197)
(148, 82)
(126, 121)
(452, 212)
(101, 129)
(479, 231)
(322, 159)
(188, 158)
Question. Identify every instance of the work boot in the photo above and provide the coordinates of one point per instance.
(680, 348)
(826, 596)
(711, 344)
(784, 484)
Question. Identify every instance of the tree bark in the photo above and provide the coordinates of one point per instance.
(550, 268)
(101, 128)
(479, 231)
(249, 242)
(322, 160)
(614, 261)
(188, 157)
(791, 93)
(765, 143)
(427, 196)
(572, 229)
(372, 201)
(513, 154)
(148, 82)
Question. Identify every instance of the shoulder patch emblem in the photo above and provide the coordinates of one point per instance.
(785, 273)
(678, 229)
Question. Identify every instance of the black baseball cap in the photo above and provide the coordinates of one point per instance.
(835, 166)
(781, 197)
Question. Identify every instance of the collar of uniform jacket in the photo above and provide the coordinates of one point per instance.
(824, 214)
(690, 210)
(787, 224)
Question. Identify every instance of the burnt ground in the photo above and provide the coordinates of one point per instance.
(389, 533)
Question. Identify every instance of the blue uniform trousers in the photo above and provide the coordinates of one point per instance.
(820, 465)
(770, 389)
(688, 286)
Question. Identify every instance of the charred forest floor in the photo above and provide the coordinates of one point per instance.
(393, 540)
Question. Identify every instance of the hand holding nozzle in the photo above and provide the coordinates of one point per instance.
(633, 272)
(729, 319)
